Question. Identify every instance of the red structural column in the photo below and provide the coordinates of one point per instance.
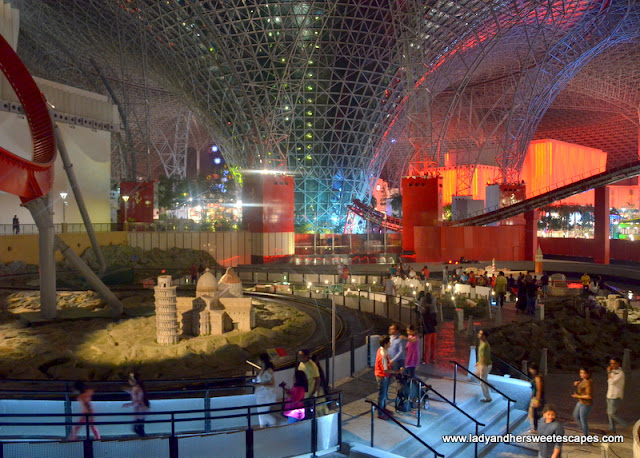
(267, 213)
(421, 206)
(530, 235)
(601, 253)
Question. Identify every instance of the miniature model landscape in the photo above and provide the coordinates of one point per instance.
(212, 333)
(572, 340)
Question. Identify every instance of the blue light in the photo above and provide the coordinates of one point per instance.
(217, 160)
(214, 149)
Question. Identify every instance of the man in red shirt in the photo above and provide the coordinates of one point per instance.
(425, 273)
(383, 373)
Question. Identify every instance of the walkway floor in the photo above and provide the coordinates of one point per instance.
(454, 345)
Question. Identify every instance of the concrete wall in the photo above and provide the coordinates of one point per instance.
(228, 248)
(25, 247)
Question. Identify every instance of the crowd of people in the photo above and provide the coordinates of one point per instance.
(308, 382)
(405, 272)
(583, 394)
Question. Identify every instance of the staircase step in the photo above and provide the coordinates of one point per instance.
(452, 422)
(364, 451)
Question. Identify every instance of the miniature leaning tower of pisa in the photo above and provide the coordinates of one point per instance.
(166, 311)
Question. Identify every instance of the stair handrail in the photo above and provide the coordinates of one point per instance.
(494, 356)
(452, 404)
(430, 388)
(455, 376)
(376, 406)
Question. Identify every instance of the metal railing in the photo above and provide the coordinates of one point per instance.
(509, 369)
(62, 387)
(89, 420)
(59, 228)
(453, 404)
(375, 406)
(509, 400)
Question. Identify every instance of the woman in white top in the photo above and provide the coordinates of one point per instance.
(266, 391)
(139, 402)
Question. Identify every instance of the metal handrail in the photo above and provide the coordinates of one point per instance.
(53, 395)
(242, 378)
(509, 400)
(487, 383)
(251, 410)
(376, 406)
(452, 404)
(494, 356)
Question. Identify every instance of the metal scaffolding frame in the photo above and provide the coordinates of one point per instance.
(339, 93)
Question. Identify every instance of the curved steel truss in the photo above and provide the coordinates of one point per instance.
(338, 92)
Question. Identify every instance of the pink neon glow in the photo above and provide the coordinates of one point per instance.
(564, 14)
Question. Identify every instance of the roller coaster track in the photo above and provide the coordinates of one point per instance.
(21, 177)
(598, 180)
(375, 217)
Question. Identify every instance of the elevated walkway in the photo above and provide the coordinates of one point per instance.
(598, 180)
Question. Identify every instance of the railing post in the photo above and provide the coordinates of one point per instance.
(87, 430)
(173, 439)
(419, 402)
(207, 413)
(372, 415)
(508, 414)
(455, 382)
(339, 420)
(327, 372)
(67, 410)
(476, 444)
(87, 447)
(314, 429)
(248, 438)
(353, 355)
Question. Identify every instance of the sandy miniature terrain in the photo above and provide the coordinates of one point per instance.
(84, 343)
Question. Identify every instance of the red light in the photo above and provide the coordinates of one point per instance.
(163, 271)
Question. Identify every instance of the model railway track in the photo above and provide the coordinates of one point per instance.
(320, 341)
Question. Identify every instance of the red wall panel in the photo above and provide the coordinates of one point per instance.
(267, 203)
(140, 203)
(421, 206)
(441, 244)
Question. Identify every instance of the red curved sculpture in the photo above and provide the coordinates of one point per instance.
(21, 177)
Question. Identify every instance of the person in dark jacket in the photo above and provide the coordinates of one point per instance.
(429, 323)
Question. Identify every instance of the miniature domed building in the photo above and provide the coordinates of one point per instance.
(207, 284)
(217, 307)
(230, 284)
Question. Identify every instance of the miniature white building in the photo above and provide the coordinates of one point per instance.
(214, 312)
(230, 284)
(166, 311)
